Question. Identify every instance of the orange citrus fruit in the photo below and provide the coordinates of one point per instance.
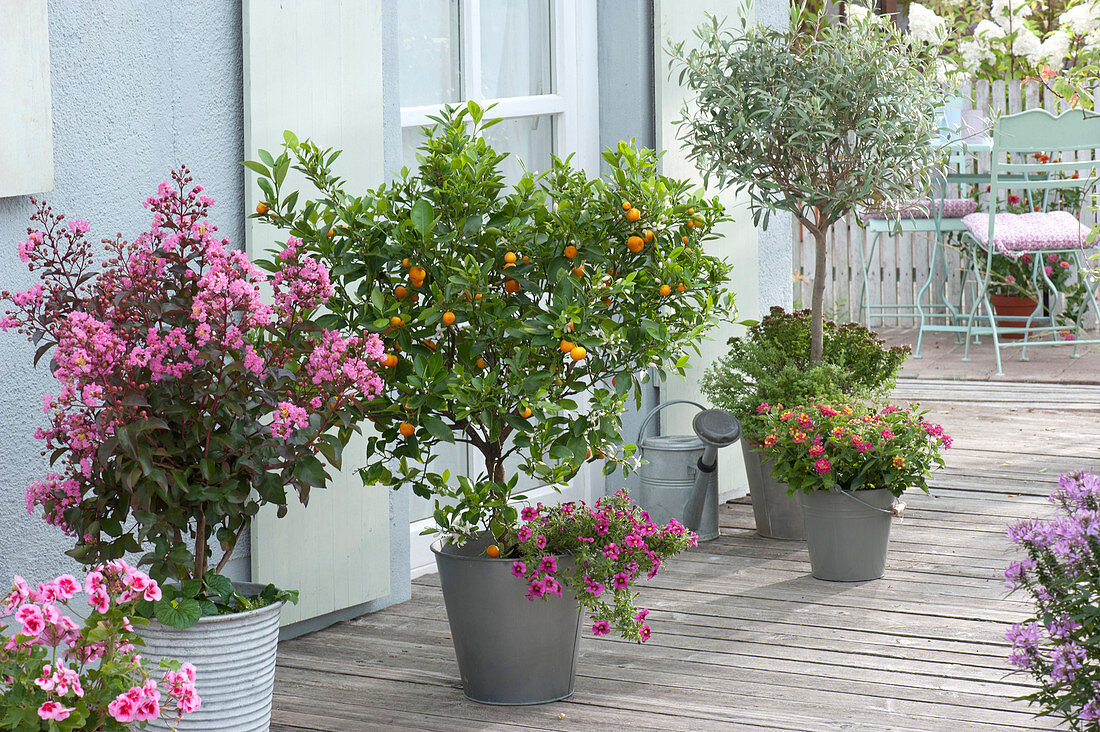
(407, 429)
(607, 301)
(389, 361)
(570, 252)
(400, 291)
(493, 551)
(448, 318)
(684, 239)
(648, 233)
(565, 346)
(331, 233)
(417, 273)
(665, 290)
(405, 262)
(681, 287)
(525, 412)
(691, 210)
(481, 363)
(510, 257)
(396, 321)
(511, 286)
(626, 205)
(578, 353)
(509, 264)
(477, 296)
(633, 214)
(579, 271)
(261, 207)
(635, 244)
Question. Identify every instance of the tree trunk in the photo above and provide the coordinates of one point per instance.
(817, 303)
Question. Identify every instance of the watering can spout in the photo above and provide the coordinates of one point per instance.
(716, 429)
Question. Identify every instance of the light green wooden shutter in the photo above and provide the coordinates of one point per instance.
(674, 22)
(316, 68)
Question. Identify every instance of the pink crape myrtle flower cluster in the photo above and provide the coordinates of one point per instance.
(49, 651)
(596, 553)
(176, 375)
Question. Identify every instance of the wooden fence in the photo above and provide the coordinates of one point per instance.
(901, 263)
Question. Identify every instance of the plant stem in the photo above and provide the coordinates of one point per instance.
(817, 303)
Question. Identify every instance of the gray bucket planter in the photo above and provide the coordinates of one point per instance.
(510, 650)
(778, 516)
(847, 533)
(234, 657)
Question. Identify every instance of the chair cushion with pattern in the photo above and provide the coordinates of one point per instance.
(1016, 234)
(953, 208)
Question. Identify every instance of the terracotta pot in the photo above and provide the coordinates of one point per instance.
(1012, 312)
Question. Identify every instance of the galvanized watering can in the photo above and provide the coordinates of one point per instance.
(679, 478)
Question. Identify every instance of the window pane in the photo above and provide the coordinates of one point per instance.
(515, 48)
(528, 139)
(429, 52)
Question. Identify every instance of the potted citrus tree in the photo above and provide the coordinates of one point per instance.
(770, 364)
(516, 319)
(185, 403)
(849, 463)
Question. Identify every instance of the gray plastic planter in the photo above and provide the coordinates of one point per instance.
(847, 533)
(510, 650)
(778, 516)
(234, 657)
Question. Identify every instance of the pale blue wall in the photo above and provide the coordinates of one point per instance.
(138, 87)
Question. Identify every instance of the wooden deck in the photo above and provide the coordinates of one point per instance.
(744, 638)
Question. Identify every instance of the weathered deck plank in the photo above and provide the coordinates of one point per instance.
(744, 638)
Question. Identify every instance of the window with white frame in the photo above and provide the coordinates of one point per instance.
(535, 60)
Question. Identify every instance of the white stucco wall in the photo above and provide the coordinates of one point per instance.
(137, 87)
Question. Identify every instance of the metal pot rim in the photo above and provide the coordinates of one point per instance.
(441, 549)
(230, 617)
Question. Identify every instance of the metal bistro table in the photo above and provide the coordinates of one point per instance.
(964, 135)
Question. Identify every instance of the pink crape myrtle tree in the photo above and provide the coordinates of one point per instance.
(185, 400)
(70, 658)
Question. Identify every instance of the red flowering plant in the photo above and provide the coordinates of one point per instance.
(186, 402)
(60, 674)
(852, 447)
(610, 545)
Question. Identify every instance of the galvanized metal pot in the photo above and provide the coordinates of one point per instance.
(234, 657)
(666, 482)
(510, 650)
(778, 516)
(848, 533)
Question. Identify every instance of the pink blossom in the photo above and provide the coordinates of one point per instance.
(823, 466)
(54, 710)
(601, 627)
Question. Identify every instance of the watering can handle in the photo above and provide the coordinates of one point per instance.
(653, 413)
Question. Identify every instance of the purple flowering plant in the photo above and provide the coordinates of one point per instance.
(596, 553)
(1059, 645)
(185, 400)
(853, 446)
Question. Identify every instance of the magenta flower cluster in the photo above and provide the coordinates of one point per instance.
(1058, 645)
(817, 446)
(597, 553)
(171, 338)
(91, 669)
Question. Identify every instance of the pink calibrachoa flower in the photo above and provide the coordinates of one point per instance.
(631, 545)
(601, 627)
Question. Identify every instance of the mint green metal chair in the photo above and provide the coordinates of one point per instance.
(1017, 139)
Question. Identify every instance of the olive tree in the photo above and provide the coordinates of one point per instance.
(813, 120)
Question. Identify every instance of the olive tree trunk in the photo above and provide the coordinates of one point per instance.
(817, 303)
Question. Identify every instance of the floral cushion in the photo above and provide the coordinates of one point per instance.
(1016, 234)
(953, 208)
